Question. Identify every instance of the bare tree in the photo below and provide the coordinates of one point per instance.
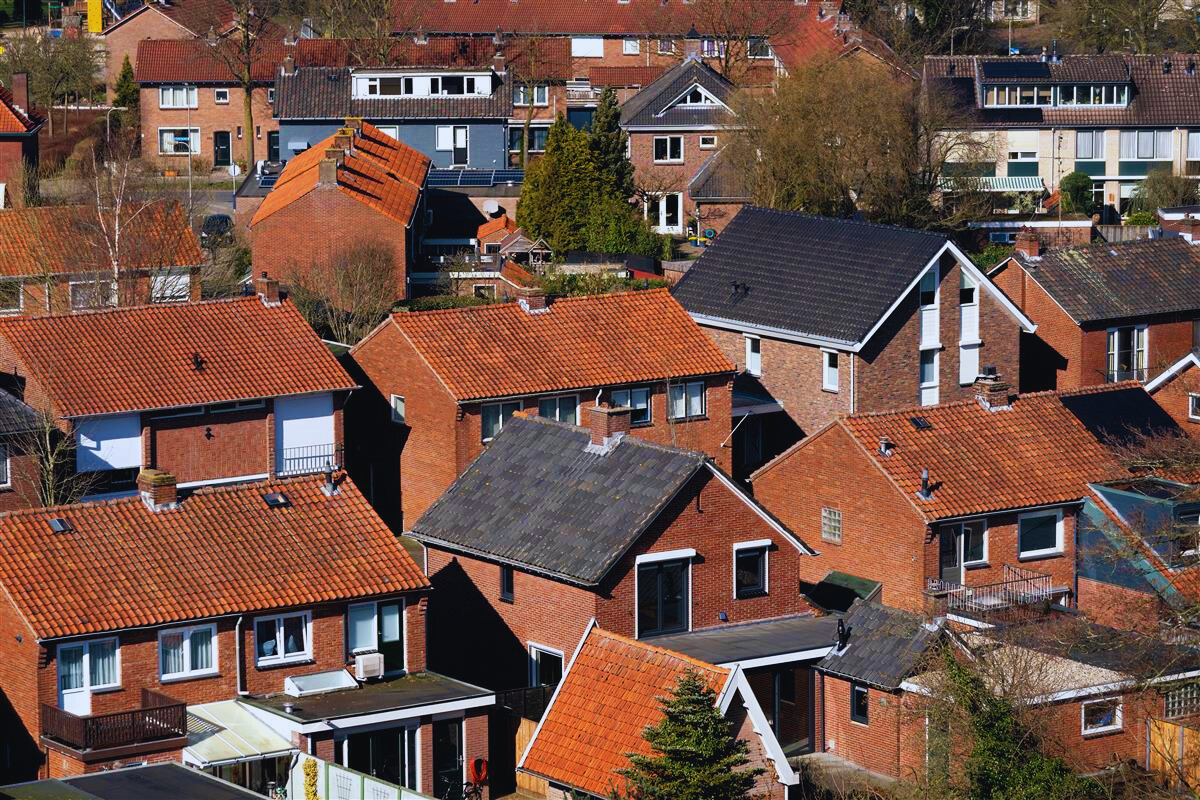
(56, 67)
(346, 297)
(56, 479)
(529, 65)
(740, 31)
(372, 29)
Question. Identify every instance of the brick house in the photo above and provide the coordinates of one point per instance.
(186, 388)
(827, 317)
(1111, 312)
(1177, 390)
(444, 383)
(101, 678)
(951, 506)
(59, 259)
(18, 141)
(20, 462)
(611, 692)
(718, 191)
(358, 187)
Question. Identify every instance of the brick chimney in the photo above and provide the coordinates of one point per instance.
(991, 392)
(691, 44)
(158, 489)
(1027, 244)
(532, 299)
(327, 169)
(607, 425)
(344, 140)
(354, 124)
(20, 91)
(289, 65)
(267, 288)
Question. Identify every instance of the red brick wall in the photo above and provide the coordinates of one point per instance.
(208, 116)
(14, 152)
(1063, 724)
(891, 742)
(19, 653)
(1174, 396)
(766, 785)
(716, 215)
(475, 736)
(672, 177)
(133, 290)
(1061, 342)
(24, 476)
(210, 446)
(1117, 606)
(123, 41)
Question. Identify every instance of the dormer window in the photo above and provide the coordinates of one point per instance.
(422, 85)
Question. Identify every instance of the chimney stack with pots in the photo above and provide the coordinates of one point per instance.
(607, 426)
(991, 392)
(1027, 244)
(344, 140)
(268, 289)
(354, 124)
(158, 489)
(289, 65)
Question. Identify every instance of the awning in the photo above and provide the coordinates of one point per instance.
(225, 733)
(1022, 184)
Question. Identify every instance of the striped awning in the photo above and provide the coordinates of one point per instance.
(992, 184)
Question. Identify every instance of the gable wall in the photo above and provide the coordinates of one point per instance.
(1058, 341)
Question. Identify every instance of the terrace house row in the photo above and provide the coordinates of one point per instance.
(444, 383)
(211, 392)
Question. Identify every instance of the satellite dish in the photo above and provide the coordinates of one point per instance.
(490, 207)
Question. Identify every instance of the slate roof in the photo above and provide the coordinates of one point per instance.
(1120, 280)
(885, 646)
(15, 416)
(718, 180)
(607, 698)
(500, 350)
(13, 118)
(221, 551)
(563, 510)
(827, 278)
(162, 781)
(751, 640)
(324, 93)
(654, 106)
(136, 359)
(378, 171)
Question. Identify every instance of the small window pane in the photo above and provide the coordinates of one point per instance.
(171, 653)
(200, 643)
(695, 399)
(831, 525)
(506, 583)
(397, 408)
(750, 571)
(678, 401)
(928, 367)
(929, 288)
(1038, 532)
(103, 658)
(390, 614)
(360, 626)
(293, 635)
(70, 667)
(973, 549)
(1101, 715)
(264, 638)
(859, 703)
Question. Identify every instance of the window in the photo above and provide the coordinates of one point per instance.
(179, 97)
(537, 139)
(1194, 406)
(754, 355)
(758, 48)
(221, 96)
(1145, 145)
(687, 400)
(666, 46)
(708, 142)
(1183, 701)
(712, 48)
(170, 286)
(1089, 145)
(11, 296)
(99, 293)
(696, 97)
(361, 628)
(662, 597)
(970, 540)
(236, 405)
(631, 47)
(587, 47)
(178, 141)
(1193, 146)
(187, 652)
(829, 370)
(968, 290)
(563, 409)
(1127, 354)
(545, 666)
(1101, 716)
(282, 638)
(1040, 534)
(1022, 155)
(928, 368)
(270, 94)
(398, 409)
(506, 583)
(750, 569)
(831, 525)
(389, 755)
(5, 472)
(929, 287)
(90, 665)
(637, 399)
(668, 149)
(859, 703)
(541, 94)
(1002, 237)
(494, 415)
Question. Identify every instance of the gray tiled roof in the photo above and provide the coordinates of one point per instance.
(885, 646)
(1120, 280)
(719, 181)
(649, 107)
(324, 93)
(828, 278)
(537, 498)
(752, 640)
(15, 416)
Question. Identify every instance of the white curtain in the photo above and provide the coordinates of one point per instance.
(170, 648)
(200, 646)
(103, 658)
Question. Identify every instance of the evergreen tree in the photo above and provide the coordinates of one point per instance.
(609, 144)
(560, 189)
(125, 89)
(697, 757)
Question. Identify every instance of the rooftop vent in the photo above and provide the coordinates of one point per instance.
(926, 492)
(843, 634)
(276, 500)
(1166, 66)
(197, 362)
(950, 68)
(920, 423)
(61, 525)
(885, 446)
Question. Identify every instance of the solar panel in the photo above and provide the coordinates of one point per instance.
(474, 177)
(1016, 69)
(267, 181)
(920, 423)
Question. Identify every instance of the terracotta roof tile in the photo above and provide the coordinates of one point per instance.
(13, 118)
(500, 223)
(378, 171)
(222, 551)
(194, 60)
(608, 697)
(580, 342)
(133, 359)
(625, 76)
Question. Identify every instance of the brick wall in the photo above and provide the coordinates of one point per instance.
(14, 152)
(1119, 607)
(123, 41)
(1002, 549)
(716, 215)
(209, 116)
(766, 785)
(891, 743)
(1174, 397)
(20, 756)
(209, 446)
(133, 290)
(671, 177)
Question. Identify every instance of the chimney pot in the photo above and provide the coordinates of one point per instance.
(20, 91)
(289, 65)
(1027, 244)
(158, 489)
(608, 425)
(267, 288)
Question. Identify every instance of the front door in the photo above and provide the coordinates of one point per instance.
(273, 146)
(448, 758)
(391, 636)
(74, 695)
(460, 146)
(221, 149)
(948, 556)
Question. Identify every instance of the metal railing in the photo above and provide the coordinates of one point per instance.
(160, 717)
(529, 703)
(310, 458)
(1020, 587)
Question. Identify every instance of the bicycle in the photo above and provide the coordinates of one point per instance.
(468, 791)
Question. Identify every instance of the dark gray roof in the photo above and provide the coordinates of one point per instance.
(537, 498)
(408, 691)
(15, 416)
(651, 107)
(884, 646)
(1109, 281)
(827, 278)
(324, 93)
(153, 782)
(1127, 652)
(720, 181)
(751, 640)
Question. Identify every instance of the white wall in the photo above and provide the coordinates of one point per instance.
(303, 421)
(109, 442)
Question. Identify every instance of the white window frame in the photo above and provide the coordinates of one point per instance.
(1140, 344)
(686, 555)
(171, 285)
(830, 515)
(500, 419)
(398, 412)
(6, 478)
(374, 646)
(686, 385)
(668, 159)
(1194, 407)
(1022, 155)
(1136, 133)
(758, 544)
(666, 47)
(1093, 136)
(87, 663)
(631, 47)
(532, 648)
(279, 657)
(759, 40)
(753, 357)
(958, 530)
(191, 98)
(934, 355)
(270, 94)
(557, 407)
(1057, 550)
(541, 94)
(94, 283)
(708, 142)
(1119, 716)
(967, 281)
(855, 686)
(221, 96)
(828, 385)
(188, 672)
(627, 393)
(194, 141)
(713, 48)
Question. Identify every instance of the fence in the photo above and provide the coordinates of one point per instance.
(1173, 753)
(160, 717)
(335, 782)
(311, 458)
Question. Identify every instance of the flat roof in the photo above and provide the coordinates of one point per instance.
(753, 640)
(155, 782)
(408, 691)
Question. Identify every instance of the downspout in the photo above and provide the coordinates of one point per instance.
(853, 395)
(1075, 539)
(237, 647)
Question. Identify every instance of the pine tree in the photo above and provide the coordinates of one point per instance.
(560, 189)
(609, 145)
(696, 755)
(125, 90)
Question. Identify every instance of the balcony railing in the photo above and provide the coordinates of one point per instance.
(1136, 374)
(1020, 587)
(529, 703)
(160, 717)
(311, 458)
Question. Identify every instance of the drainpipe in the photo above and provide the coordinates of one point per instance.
(853, 396)
(237, 648)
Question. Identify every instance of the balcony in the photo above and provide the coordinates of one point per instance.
(156, 725)
(310, 458)
(582, 92)
(1021, 592)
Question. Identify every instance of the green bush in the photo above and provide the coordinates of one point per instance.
(438, 302)
(562, 284)
(1141, 218)
(991, 255)
(1076, 190)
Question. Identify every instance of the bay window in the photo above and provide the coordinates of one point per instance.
(187, 652)
(283, 638)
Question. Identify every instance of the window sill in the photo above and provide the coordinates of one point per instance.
(293, 662)
(701, 418)
(107, 689)
(184, 678)
(860, 724)
(680, 161)
(1040, 556)
(1099, 734)
(977, 565)
(636, 425)
(750, 595)
(827, 390)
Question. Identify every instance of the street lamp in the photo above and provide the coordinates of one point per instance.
(953, 31)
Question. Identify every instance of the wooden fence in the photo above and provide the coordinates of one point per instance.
(1173, 753)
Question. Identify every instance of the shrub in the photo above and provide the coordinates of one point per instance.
(1076, 190)
(438, 302)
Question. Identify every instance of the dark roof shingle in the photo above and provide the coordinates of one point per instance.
(885, 646)
(325, 93)
(652, 107)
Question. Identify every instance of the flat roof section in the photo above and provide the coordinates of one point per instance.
(409, 691)
(769, 641)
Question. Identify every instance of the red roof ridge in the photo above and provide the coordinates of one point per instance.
(93, 312)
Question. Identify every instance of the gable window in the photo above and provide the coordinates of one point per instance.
(563, 409)
(829, 370)
(283, 638)
(1040, 534)
(100, 293)
(929, 287)
(1146, 145)
(1194, 406)
(1101, 716)
(179, 97)
(1089, 145)
(668, 149)
(221, 96)
(666, 46)
(545, 665)
(187, 652)
(662, 597)
(687, 400)
(1127, 353)
(831, 525)
(178, 141)
(712, 48)
(637, 399)
(398, 408)
(541, 94)
(696, 97)
(708, 142)
(750, 569)
(631, 47)
(506, 583)
(754, 355)
(11, 296)
(758, 48)
(968, 290)
(493, 416)
(860, 698)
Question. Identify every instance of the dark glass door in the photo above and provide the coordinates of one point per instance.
(662, 594)
(447, 758)
(948, 556)
(221, 149)
(273, 146)
(391, 636)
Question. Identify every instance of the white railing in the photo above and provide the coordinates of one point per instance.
(1020, 587)
(335, 782)
(311, 458)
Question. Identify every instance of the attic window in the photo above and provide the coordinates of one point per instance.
(61, 525)
(276, 500)
(920, 423)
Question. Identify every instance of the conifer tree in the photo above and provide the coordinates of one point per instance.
(609, 144)
(696, 756)
(560, 189)
(125, 90)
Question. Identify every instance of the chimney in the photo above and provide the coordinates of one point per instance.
(607, 425)
(1027, 244)
(268, 288)
(157, 489)
(327, 170)
(289, 65)
(498, 37)
(344, 140)
(498, 62)
(355, 124)
(925, 493)
(991, 392)
(20, 91)
(885, 446)
(532, 299)
(691, 43)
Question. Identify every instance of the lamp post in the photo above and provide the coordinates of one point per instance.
(953, 31)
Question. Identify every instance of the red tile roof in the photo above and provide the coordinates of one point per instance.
(133, 359)
(625, 76)
(500, 223)
(222, 551)
(194, 60)
(60, 239)
(378, 171)
(194, 16)
(13, 118)
(502, 350)
(608, 697)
